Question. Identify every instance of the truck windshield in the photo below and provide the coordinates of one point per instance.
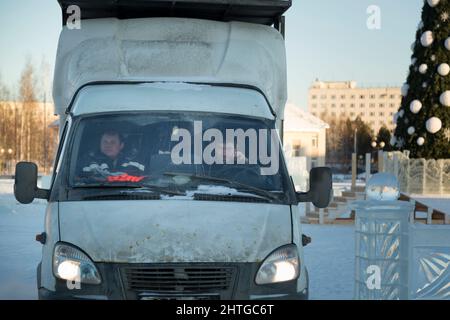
(175, 154)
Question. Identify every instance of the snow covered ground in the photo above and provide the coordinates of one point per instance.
(329, 258)
(19, 252)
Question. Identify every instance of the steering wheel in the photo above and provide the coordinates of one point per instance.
(238, 172)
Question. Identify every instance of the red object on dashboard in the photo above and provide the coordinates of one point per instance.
(124, 178)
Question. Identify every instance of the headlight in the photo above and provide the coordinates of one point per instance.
(69, 263)
(281, 265)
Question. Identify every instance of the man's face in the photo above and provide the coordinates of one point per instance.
(110, 145)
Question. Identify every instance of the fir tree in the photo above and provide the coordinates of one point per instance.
(423, 119)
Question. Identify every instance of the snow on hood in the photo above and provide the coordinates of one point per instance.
(171, 49)
(175, 231)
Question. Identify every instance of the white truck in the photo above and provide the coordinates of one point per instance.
(170, 180)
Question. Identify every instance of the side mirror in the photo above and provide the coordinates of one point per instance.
(320, 188)
(25, 183)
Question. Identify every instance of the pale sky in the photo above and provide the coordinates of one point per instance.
(325, 39)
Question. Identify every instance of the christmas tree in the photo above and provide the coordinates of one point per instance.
(423, 119)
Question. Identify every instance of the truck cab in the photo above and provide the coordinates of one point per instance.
(170, 180)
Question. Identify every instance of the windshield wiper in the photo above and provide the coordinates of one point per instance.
(257, 191)
(135, 187)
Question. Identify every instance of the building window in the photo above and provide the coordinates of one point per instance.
(314, 106)
(372, 96)
(352, 96)
(314, 162)
(314, 114)
(381, 114)
(362, 96)
(324, 96)
(362, 114)
(362, 105)
(333, 105)
(381, 105)
(296, 150)
(333, 114)
(392, 96)
(392, 105)
(343, 96)
(372, 114)
(372, 105)
(342, 105)
(333, 97)
(352, 105)
(314, 97)
(352, 114)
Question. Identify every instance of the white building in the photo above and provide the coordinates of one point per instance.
(374, 105)
(304, 136)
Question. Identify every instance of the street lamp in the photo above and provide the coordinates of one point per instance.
(378, 147)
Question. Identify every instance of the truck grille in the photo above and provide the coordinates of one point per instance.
(178, 278)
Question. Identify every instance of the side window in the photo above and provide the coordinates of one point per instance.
(62, 143)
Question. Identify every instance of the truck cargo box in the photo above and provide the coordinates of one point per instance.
(171, 50)
(266, 12)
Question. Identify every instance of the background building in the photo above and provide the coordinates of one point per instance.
(304, 143)
(304, 136)
(374, 105)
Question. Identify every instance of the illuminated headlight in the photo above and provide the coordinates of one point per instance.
(281, 265)
(69, 263)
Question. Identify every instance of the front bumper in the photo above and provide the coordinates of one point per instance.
(116, 285)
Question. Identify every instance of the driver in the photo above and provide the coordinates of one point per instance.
(110, 159)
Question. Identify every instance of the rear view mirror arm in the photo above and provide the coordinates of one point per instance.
(42, 194)
(303, 196)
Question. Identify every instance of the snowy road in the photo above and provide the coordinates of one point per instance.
(19, 252)
(329, 258)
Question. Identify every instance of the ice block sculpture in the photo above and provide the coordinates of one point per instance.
(382, 238)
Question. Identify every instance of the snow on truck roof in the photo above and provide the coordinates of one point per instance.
(171, 50)
(266, 12)
(170, 97)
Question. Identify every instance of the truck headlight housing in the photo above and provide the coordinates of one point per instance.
(70, 263)
(281, 265)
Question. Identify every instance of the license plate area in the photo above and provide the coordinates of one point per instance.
(153, 296)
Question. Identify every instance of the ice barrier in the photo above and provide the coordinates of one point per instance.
(395, 258)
